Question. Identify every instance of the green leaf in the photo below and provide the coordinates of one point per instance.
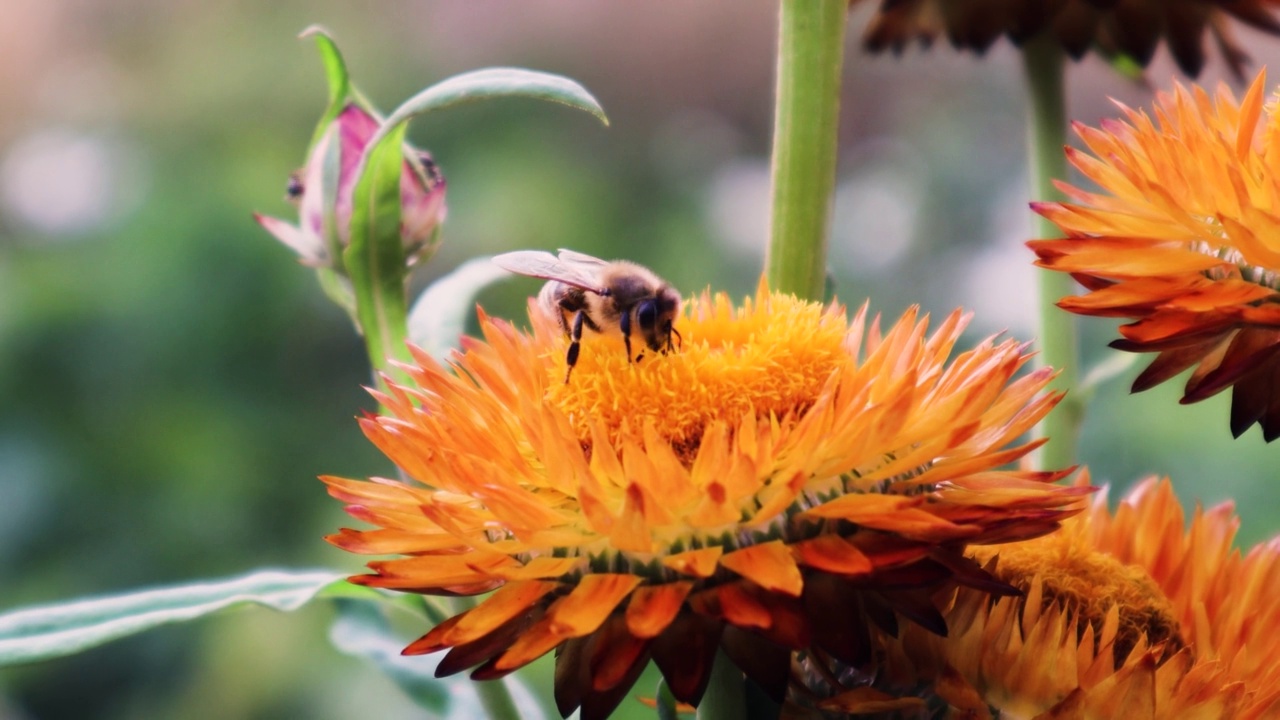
(498, 82)
(335, 72)
(375, 257)
(50, 631)
(440, 314)
(362, 630)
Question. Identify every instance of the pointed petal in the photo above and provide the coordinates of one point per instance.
(654, 607)
(769, 565)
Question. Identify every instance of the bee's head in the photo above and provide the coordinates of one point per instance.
(655, 316)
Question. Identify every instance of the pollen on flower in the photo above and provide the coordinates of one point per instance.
(771, 360)
(1089, 583)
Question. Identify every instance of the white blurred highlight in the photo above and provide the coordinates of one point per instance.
(63, 184)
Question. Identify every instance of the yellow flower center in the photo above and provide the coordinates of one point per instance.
(1090, 583)
(771, 361)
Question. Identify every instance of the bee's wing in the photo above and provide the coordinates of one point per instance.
(576, 258)
(536, 263)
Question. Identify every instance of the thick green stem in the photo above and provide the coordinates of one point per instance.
(725, 698)
(1059, 340)
(810, 56)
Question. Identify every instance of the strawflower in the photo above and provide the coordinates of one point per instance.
(1127, 615)
(324, 212)
(1184, 239)
(773, 488)
(1133, 28)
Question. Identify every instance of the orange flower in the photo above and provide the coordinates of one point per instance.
(766, 489)
(1125, 616)
(1185, 239)
(1133, 28)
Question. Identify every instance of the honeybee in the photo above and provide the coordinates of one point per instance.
(616, 297)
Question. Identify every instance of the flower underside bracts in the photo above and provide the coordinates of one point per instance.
(781, 483)
(1184, 239)
(1132, 28)
(1130, 615)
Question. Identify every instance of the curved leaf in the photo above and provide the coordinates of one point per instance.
(50, 631)
(440, 314)
(498, 82)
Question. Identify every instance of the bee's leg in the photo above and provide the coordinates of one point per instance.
(679, 340)
(575, 344)
(624, 324)
(564, 323)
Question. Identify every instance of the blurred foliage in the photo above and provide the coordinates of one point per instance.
(171, 382)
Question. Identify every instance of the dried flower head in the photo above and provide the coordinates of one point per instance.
(778, 485)
(1134, 28)
(1183, 240)
(1126, 615)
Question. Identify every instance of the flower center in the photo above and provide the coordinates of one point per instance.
(770, 358)
(1090, 583)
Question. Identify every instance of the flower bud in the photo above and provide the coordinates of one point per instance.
(422, 205)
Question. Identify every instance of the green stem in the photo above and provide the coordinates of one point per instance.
(494, 696)
(1043, 60)
(810, 55)
(725, 698)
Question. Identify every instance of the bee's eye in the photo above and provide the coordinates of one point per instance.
(647, 315)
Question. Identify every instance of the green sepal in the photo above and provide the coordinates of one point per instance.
(335, 73)
(374, 257)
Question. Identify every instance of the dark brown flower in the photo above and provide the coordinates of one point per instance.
(1133, 28)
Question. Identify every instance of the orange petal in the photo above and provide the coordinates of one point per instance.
(509, 601)
(861, 506)
(436, 571)
(541, 567)
(740, 607)
(698, 563)
(768, 565)
(583, 609)
(391, 542)
(533, 644)
(653, 607)
(831, 553)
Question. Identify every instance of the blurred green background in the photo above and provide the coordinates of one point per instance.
(171, 381)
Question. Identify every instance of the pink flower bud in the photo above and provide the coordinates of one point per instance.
(422, 186)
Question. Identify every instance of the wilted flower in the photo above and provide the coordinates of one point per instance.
(319, 244)
(1183, 239)
(1130, 27)
(782, 482)
(1131, 615)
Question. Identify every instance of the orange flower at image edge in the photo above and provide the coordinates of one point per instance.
(1133, 615)
(1184, 239)
(780, 484)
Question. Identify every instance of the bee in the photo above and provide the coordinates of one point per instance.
(604, 297)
